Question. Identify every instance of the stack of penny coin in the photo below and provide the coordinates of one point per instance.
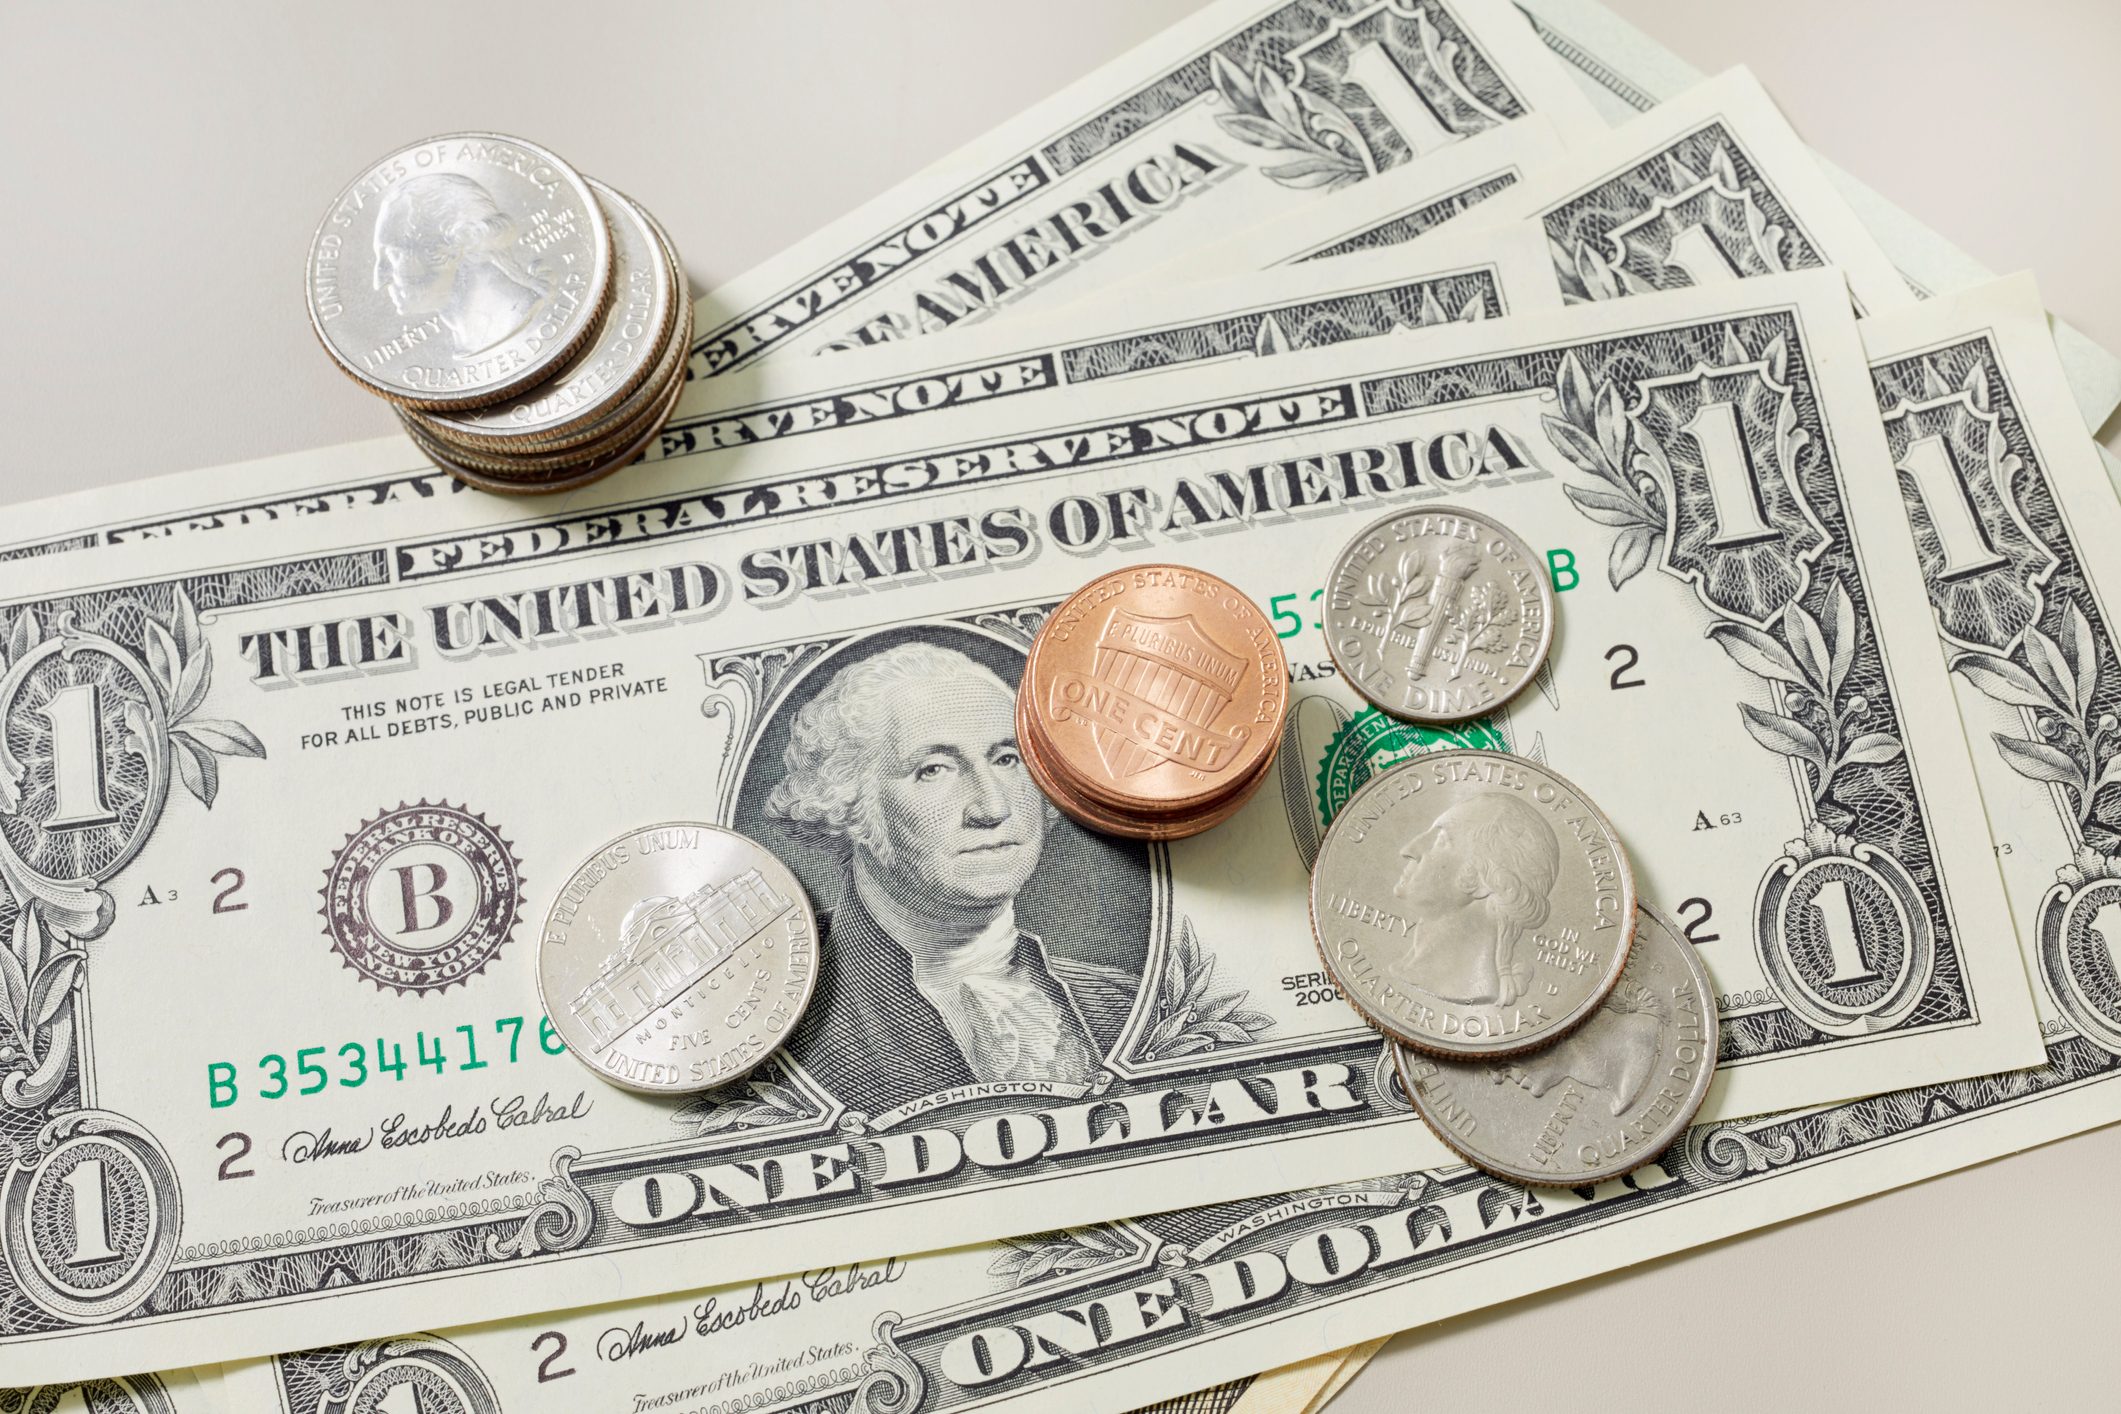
(1152, 702)
(1477, 908)
(528, 324)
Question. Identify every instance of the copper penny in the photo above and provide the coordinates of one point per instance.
(1162, 825)
(1156, 690)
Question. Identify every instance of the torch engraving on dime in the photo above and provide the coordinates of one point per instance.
(1439, 614)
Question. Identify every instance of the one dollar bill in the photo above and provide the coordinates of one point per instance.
(383, 1115)
(1133, 1310)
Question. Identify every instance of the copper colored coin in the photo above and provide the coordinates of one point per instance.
(1105, 820)
(1157, 690)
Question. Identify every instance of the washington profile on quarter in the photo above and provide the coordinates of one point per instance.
(677, 958)
(1473, 904)
(458, 270)
(1612, 1095)
(1438, 614)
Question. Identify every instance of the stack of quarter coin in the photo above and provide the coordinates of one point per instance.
(1479, 910)
(528, 324)
(1152, 702)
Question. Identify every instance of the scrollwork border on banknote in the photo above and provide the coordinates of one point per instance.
(2026, 628)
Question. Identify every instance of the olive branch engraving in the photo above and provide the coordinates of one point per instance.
(1400, 593)
(1820, 727)
(2067, 746)
(1593, 430)
(1024, 1260)
(748, 1104)
(1267, 111)
(1191, 1015)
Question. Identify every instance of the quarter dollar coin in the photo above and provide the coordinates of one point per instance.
(1608, 1098)
(677, 958)
(1473, 904)
(459, 270)
(1439, 614)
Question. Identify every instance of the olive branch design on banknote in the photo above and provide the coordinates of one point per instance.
(1267, 111)
(1843, 929)
(1024, 1260)
(1189, 1014)
(748, 1104)
(66, 834)
(1327, 149)
(1681, 200)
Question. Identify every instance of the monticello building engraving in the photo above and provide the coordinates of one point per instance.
(668, 944)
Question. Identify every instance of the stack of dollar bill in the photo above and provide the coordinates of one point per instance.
(297, 752)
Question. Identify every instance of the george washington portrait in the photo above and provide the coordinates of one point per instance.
(1475, 882)
(444, 247)
(903, 773)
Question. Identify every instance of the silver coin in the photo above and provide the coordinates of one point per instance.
(677, 958)
(615, 360)
(1612, 1095)
(579, 465)
(459, 270)
(1473, 904)
(1439, 614)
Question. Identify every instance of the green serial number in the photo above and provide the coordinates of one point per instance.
(315, 1068)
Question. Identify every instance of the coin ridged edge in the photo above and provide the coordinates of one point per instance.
(1673, 1131)
(500, 391)
(1587, 1008)
(1546, 596)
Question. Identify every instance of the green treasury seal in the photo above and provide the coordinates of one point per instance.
(1372, 742)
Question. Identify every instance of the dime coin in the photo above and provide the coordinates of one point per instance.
(1156, 690)
(1473, 904)
(1610, 1097)
(459, 270)
(677, 958)
(1439, 614)
(617, 358)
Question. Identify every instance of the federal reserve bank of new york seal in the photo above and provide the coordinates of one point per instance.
(422, 897)
(677, 957)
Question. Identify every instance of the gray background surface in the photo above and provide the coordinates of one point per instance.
(164, 166)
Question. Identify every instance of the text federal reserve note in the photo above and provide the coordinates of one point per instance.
(1449, 279)
(1245, 110)
(375, 1128)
